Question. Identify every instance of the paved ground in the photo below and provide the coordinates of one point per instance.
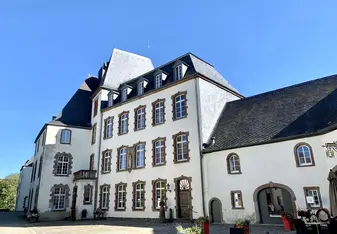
(14, 223)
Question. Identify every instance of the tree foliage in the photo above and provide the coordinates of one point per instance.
(8, 189)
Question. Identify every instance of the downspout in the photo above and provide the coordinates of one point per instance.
(99, 159)
(197, 96)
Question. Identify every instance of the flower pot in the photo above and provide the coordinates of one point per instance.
(246, 230)
(205, 227)
(287, 223)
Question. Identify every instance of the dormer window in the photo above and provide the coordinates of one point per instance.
(110, 100)
(141, 88)
(178, 72)
(124, 94)
(158, 80)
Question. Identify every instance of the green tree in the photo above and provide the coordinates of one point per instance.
(8, 189)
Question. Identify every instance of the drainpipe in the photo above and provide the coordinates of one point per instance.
(197, 96)
(99, 159)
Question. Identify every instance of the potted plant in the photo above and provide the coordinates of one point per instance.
(243, 224)
(287, 221)
(190, 230)
(203, 222)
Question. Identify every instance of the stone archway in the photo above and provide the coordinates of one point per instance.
(215, 210)
(272, 185)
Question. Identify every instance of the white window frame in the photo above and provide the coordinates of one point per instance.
(63, 164)
(122, 158)
(180, 106)
(158, 81)
(139, 196)
(141, 88)
(124, 123)
(105, 197)
(60, 198)
(108, 130)
(181, 143)
(87, 194)
(159, 154)
(65, 136)
(140, 155)
(160, 190)
(312, 193)
(234, 164)
(121, 194)
(178, 72)
(110, 100)
(124, 94)
(159, 112)
(140, 124)
(303, 151)
(107, 161)
(237, 200)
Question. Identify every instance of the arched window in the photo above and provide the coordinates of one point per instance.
(159, 192)
(106, 161)
(303, 154)
(121, 194)
(140, 155)
(233, 164)
(122, 159)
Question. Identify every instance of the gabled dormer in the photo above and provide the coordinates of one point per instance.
(159, 77)
(141, 85)
(125, 91)
(179, 70)
(112, 95)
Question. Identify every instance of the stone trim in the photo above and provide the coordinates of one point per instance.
(135, 154)
(105, 127)
(228, 164)
(52, 193)
(154, 111)
(116, 196)
(154, 151)
(134, 195)
(100, 196)
(311, 153)
(135, 118)
(232, 200)
(154, 207)
(118, 158)
(93, 136)
(70, 133)
(102, 163)
(173, 97)
(319, 196)
(70, 163)
(176, 194)
(91, 193)
(119, 122)
(174, 137)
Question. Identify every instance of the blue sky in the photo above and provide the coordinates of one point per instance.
(47, 48)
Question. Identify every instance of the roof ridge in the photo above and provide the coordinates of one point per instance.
(129, 53)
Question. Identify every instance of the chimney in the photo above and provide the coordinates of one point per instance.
(54, 117)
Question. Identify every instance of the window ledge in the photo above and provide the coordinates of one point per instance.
(311, 165)
(119, 209)
(159, 165)
(121, 170)
(235, 173)
(157, 124)
(61, 175)
(238, 208)
(184, 161)
(65, 143)
(175, 119)
(139, 129)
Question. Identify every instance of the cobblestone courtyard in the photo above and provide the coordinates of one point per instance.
(14, 223)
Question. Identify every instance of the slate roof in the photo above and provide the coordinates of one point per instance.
(296, 111)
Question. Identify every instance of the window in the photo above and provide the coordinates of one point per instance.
(95, 107)
(124, 94)
(233, 164)
(62, 165)
(159, 192)
(65, 136)
(38, 145)
(124, 123)
(140, 155)
(140, 118)
(236, 197)
(91, 162)
(181, 151)
(106, 161)
(158, 81)
(315, 200)
(59, 199)
(141, 88)
(120, 196)
(158, 115)
(104, 201)
(179, 105)
(122, 159)
(159, 152)
(87, 196)
(35, 168)
(304, 157)
(40, 168)
(108, 127)
(110, 100)
(139, 195)
(43, 138)
(36, 197)
(93, 134)
(178, 72)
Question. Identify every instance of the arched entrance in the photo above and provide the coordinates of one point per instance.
(270, 200)
(215, 210)
(183, 197)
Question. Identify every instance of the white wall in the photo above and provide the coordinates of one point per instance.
(149, 173)
(23, 188)
(262, 164)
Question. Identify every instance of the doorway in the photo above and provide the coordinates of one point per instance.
(73, 205)
(215, 208)
(183, 198)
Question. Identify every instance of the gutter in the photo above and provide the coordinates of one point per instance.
(99, 160)
(197, 95)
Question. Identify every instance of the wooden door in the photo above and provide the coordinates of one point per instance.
(184, 199)
(216, 212)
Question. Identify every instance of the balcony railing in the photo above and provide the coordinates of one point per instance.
(85, 175)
